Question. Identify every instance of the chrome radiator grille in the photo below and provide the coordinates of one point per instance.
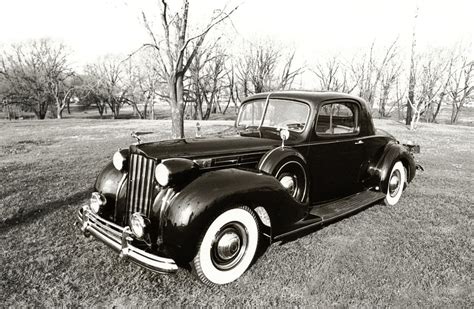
(140, 185)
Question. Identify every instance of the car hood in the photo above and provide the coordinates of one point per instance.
(204, 147)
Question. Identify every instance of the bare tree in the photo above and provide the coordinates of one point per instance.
(266, 67)
(434, 79)
(105, 84)
(369, 71)
(207, 81)
(263, 61)
(213, 85)
(412, 78)
(38, 76)
(332, 75)
(289, 72)
(444, 69)
(243, 72)
(461, 87)
(231, 87)
(175, 54)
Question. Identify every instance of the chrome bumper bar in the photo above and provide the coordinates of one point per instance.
(119, 239)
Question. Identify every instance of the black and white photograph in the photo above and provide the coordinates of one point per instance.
(236, 153)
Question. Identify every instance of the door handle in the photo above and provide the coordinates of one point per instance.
(359, 142)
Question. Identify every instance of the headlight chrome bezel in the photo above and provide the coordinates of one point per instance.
(139, 225)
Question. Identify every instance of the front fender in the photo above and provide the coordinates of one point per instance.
(202, 200)
(108, 181)
(111, 183)
(394, 152)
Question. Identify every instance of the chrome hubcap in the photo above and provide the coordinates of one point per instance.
(229, 246)
(394, 183)
(288, 183)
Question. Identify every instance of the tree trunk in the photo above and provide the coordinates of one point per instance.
(438, 108)
(411, 97)
(177, 107)
(454, 112)
(198, 109)
(100, 107)
(208, 108)
(41, 110)
(60, 109)
(177, 121)
(412, 79)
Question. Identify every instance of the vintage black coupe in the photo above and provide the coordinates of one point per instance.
(298, 161)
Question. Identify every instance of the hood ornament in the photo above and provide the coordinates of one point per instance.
(135, 135)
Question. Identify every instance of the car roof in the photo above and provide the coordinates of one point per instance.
(312, 97)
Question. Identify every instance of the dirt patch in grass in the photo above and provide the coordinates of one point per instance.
(418, 253)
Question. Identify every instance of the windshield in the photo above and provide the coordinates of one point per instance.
(280, 113)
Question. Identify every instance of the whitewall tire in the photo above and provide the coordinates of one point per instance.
(227, 247)
(396, 184)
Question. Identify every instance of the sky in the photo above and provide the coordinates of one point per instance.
(92, 28)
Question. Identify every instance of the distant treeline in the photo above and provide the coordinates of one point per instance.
(37, 76)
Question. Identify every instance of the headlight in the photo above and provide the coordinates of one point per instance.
(118, 160)
(162, 174)
(138, 225)
(97, 201)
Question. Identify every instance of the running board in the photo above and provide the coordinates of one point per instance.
(330, 211)
(339, 208)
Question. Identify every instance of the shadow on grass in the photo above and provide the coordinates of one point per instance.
(43, 210)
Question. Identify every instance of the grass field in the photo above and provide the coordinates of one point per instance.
(418, 253)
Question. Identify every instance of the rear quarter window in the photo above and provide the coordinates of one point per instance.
(338, 119)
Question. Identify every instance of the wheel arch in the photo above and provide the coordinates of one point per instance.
(202, 200)
(275, 156)
(271, 162)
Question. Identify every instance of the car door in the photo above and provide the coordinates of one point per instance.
(337, 151)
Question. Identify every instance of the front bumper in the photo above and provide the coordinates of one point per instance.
(120, 238)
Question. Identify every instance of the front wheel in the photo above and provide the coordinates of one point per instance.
(227, 247)
(396, 183)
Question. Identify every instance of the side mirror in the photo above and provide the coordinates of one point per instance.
(284, 135)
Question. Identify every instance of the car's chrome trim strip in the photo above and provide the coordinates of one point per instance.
(119, 239)
(339, 140)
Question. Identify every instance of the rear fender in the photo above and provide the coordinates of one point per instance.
(394, 152)
(197, 204)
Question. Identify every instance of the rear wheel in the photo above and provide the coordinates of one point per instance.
(396, 183)
(227, 247)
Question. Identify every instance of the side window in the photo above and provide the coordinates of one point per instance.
(337, 119)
